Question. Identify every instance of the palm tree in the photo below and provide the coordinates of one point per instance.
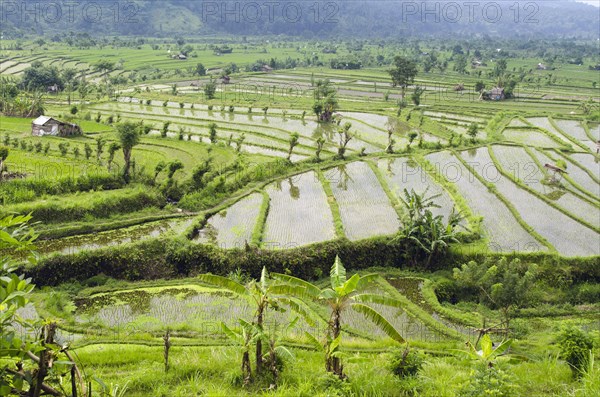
(341, 295)
(245, 337)
(276, 350)
(261, 294)
(422, 233)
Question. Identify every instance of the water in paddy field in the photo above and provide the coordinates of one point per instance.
(200, 310)
(74, 244)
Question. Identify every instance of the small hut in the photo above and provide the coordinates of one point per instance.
(45, 125)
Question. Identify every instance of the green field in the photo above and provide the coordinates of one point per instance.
(481, 217)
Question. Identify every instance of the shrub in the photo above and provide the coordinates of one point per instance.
(165, 129)
(406, 362)
(63, 147)
(27, 189)
(489, 381)
(96, 281)
(586, 293)
(448, 291)
(59, 303)
(334, 386)
(117, 202)
(575, 346)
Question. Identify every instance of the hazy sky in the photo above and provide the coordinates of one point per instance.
(592, 2)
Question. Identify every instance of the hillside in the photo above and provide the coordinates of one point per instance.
(307, 19)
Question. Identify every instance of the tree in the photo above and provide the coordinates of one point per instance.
(325, 100)
(104, 66)
(345, 137)
(403, 74)
(588, 107)
(88, 151)
(460, 64)
(158, 169)
(200, 70)
(174, 166)
(199, 172)
(319, 143)
(401, 105)
(186, 50)
(239, 141)
(112, 149)
(4, 152)
(276, 350)
(391, 141)
(35, 353)
(100, 142)
(245, 338)
(129, 136)
(411, 138)
(423, 236)
(83, 89)
(165, 129)
(294, 139)
(416, 95)
(261, 294)
(343, 294)
(210, 88)
(212, 132)
(63, 147)
(502, 284)
(500, 67)
(479, 86)
(39, 77)
(472, 131)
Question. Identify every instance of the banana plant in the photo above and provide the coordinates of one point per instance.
(423, 234)
(342, 294)
(276, 349)
(488, 352)
(261, 294)
(245, 337)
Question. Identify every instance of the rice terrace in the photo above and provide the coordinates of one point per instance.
(329, 198)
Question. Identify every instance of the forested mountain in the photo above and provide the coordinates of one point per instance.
(309, 19)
